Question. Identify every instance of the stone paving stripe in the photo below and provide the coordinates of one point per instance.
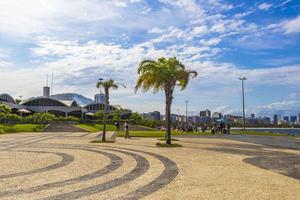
(167, 176)
(115, 163)
(66, 159)
(141, 168)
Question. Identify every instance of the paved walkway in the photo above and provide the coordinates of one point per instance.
(276, 141)
(67, 166)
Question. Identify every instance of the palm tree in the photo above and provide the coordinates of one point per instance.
(107, 85)
(164, 74)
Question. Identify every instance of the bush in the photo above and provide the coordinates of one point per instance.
(4, 109)
(40, 118)
(8, 117)
(69, 118)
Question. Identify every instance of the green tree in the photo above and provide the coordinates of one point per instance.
(107, 85)
(40, 118)
(99, 115)
(164, 74)
(4, 109)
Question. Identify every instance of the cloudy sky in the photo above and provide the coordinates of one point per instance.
(82, 40)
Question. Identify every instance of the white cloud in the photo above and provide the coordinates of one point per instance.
(199, 30)
(219, 27)
(109, 38)
(292, 26)
(265, 6)
(282, 108)
(211, 42)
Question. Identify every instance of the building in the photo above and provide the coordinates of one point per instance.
(99, 98)
(252, 116)
(275, 119)
(293, 119)
(58, 107)
(299, 118)
(152, 116)
(155, 115)
(181, 118)
(205, 113)
(266, 120)
(216, 115)
(286, 119)
(173, 118)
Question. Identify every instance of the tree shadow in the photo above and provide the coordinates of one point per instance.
(264, 157)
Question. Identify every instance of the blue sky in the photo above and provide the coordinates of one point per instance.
(81, 40)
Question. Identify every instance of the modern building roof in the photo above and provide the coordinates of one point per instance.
(7, 98)
(48, 101)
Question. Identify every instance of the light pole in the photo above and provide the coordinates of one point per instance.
(186, 111)
(243, 95)
(100, 81)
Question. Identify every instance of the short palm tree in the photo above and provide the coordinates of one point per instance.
(164, 74)
(107, 85)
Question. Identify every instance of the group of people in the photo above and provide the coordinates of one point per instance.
(221, 127)
(126, 129)
(217, 127)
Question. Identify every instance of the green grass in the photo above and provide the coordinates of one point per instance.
(16, 128)
(100, 141)
(96, 127)
(161, 134)
(168, 145)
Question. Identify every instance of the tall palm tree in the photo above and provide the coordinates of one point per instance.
(107, 85)
(164, 74)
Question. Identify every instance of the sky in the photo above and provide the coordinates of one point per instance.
(80, 41)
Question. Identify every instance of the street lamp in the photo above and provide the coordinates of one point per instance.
(186, 111)
(100, 81)
(243, 95)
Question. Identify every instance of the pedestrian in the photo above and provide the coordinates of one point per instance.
(117, 124)
(213, 129)
(228, 128)
(126, 126)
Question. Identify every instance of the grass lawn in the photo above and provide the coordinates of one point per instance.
(15, 128)
(161, 134)
(96, 127)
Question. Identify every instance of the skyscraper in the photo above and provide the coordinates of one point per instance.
(252, 116)
(293, 119)
(286, 119)
(275, 119)
(155, 115)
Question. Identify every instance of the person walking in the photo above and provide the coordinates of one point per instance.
(117, 124)
(228, 128)
(126, 126)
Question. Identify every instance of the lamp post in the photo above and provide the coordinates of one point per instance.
(186, 111)
(243, 95)
(100, 81)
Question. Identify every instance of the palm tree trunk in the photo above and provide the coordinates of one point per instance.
(168, 118)
(105, 115)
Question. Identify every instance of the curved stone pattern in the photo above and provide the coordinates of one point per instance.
(168, 172)
(115, 163)
(141, 167)
(66, 159)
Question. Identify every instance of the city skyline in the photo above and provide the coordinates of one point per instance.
(222, 40)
